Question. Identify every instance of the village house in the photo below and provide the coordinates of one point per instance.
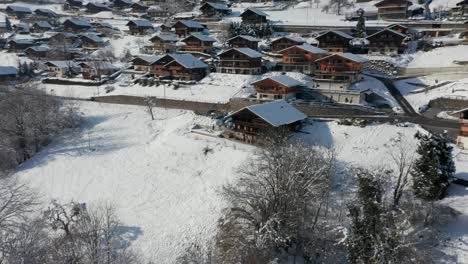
(163, 43)
(210, 9)
(140, 27)
(22, 28)
(61, 69)
(184, 28)
(460, 10)
(334, 41)
(277, 87)
(94, 8)
(121, 4)
(285, 42)
(139, 7)
(462, 138)
(254, 16)
(240, 61)
(8, 74)
(143, 62)
(243, 41)
(46, 13)
(91, 41)
(76, 25)
(338, 71)
(399, 28)
(198, 43)
(301, 58)
(76, 4)
(64, 39)
(157, 11)
(19, 45)
(18, 12)
(393, 9)
(96, 70)
(103, 28)
(37, 52)
(180, 67)
(251, 123)
(41, 27)
(386, 42)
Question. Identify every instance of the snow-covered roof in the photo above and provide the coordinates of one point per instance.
(204, 38)
(62, 64)
(389, 30)
(218, 6)
(93, 37)
(282, 79)
(337, 32)
(256, 11)
(43, 24)
(23, 41)
(308, 48)
(19, 9)
(79, 22)
(276, 113)
(246, 51)
(38, 48)
(103, 24)
(8, 70)
(148, 58)
(190, 23)
(187, 60)
(295, 39)
(166, 37)
(46, 11)
(349, 56)
(102, 65)
(101, 5)
(246, 37)
(141, 23)
(140, 4)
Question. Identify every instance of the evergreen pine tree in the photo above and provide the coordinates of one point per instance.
(361, 24)
(434, 168)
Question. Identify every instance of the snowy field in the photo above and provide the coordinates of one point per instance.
(418, 97)
(163, 185)
(12, 59)
(439, 57)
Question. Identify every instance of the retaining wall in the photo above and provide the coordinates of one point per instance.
(426, 71)
(449, 104)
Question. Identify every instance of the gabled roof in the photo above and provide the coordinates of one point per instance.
(102, 65)
(93, 37)
(141, 23)
(148, 58)
(254, 10)
(294, 39)
(165, 37)
(19, 9)
(139, 4)
(102, 24)
(79, 22)
(276, 113)
(8, 70)
(336, 32)
(217, 6)
(388, 30)
(246, 37)
(38, 48)
(61, 64)
(204, 38)
(463, 2)
(396, 25)
(283, 80)
(43, 24)
(186, 60)
(349, 56)
(46, 11)
(246, 51)
(306, 47)
(384, 2)
(190, 24)
(23, 41)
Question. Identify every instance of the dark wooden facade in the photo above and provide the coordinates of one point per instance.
(163, 44)
(301, 58)
(393, 9)
(237, 62)
(243, 42)
(334, 41)
(194, 43)
(338, 71)
(186, 27)
(209, 9)
(284, 43)
(386, 42)
(168, 67)
(254, 17)
(270, 89)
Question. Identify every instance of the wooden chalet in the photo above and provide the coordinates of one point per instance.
(210, 9)
(399, 28)
(61, 69)
(140, 27)
(94, 8)
(19, 45)
(122, 4)
(184, 28)
(46, 13)
(95, 70)
(334, 41)
(8, 74)
(91, 41)
(37, 52)
(240, 61)
(285, 42)
(250, 123)
(143, 62)
(41, 27)
(103, 28)
(386, 42)
(180, 67)
(22, 28)
(139, 7)
(338, 71)
(243, 41)
(277, 87)
(64, 39)
(74, 3)
(198, 43)
(393, 9)
(301, 58)
(254, 16)
(461, 9)
(18, 12)
(462, 138)
(163, 43)
(76, 25)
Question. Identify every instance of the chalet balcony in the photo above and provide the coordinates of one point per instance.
(225, 64)
(336, 73)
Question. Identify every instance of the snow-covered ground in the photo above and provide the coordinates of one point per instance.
(163, 185)
(439, 57)
(418, 97)
(12, 59)
(378, 88)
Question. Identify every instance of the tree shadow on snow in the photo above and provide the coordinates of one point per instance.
(316, 133)
(126, 235)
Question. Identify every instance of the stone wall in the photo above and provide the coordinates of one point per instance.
(449, 104)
